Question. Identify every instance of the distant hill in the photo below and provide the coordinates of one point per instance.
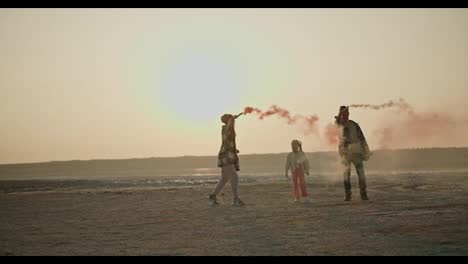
(382, 160)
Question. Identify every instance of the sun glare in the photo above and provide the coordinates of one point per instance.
(200, 88)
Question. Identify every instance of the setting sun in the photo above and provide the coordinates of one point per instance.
(200, 87)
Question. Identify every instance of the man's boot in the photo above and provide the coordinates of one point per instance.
(347, 187)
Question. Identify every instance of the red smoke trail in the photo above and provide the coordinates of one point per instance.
(310, 121)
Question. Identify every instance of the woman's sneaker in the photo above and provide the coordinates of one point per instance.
(238, 202)
(212, 199)
(348, 197)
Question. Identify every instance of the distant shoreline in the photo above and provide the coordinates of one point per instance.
(214, 156)
(387, 161)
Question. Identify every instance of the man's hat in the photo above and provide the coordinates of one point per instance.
(343, 108)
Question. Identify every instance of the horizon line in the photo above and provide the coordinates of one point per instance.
(205, 156)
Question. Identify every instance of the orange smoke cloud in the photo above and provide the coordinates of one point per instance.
(413, 129)
(427, 129)
(249, 110)
(310, 121)
(384, 137)
(331, 134)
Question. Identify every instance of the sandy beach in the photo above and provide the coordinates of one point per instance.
(415, 214)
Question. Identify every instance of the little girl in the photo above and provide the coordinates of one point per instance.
(298, 163)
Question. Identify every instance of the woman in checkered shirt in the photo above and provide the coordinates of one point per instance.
(228, 160)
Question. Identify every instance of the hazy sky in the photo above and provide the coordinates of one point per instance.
(125, 83)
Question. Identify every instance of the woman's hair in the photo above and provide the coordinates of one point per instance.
(299, 143)
(225, 118)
